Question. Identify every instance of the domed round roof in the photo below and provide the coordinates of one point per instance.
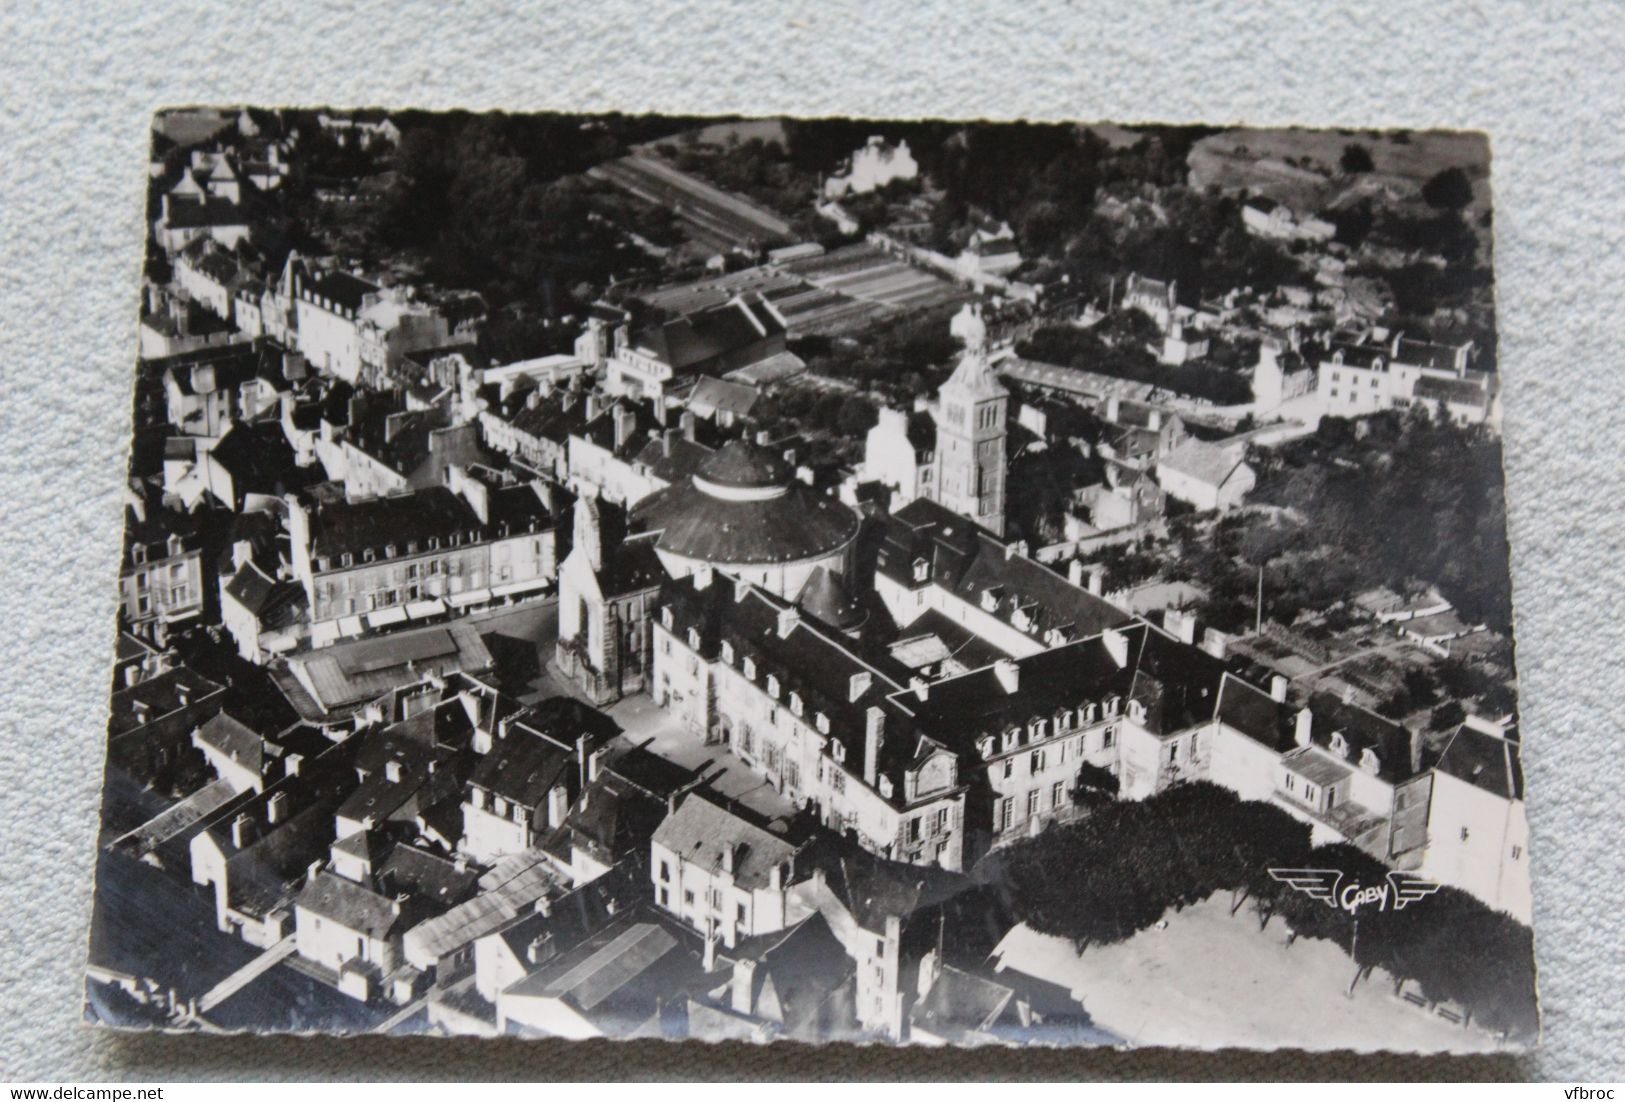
(792, 525)
(743, 463)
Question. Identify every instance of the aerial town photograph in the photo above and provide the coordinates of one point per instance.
(928, 582)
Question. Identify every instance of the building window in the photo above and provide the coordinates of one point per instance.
(1032, 803)
(1173, 752)
(1465, 834)
(1007, 811)
(1009, 767)
(665, 870)
(1057, 794)
(942, 821)
(688, 897)
(739, 914)
(914, 830)
(1517, 852)
(665, 898)
(1036, 761)
(1108, 737)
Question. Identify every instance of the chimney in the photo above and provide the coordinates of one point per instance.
(557, 805)
(290, 764)
(1074, 572)
(1306, 722)
(667, 439)
(1008, 673)
(1113, 408)
(592, 405)
(775, 877)
(1416, 750)
(392, 772)
(874, 736)
(921, 687)
(728, 858)
(1154, 420)
(276, 808)
(704, 576)
(1278, 689)
(744, 982)
(1181, 625)
(858, 684)
(709, 961)
(625, 422)
(242, 828)
(788, 619)
(1116, 645)
(660, 411)
(686, 424)
(1097, 578)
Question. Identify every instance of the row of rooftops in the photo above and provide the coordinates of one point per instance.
(927, 544)
(353, 533)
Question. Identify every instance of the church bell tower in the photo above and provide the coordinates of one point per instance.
(971, 412)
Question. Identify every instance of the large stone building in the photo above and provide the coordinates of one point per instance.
(369, 564)
(800, 701)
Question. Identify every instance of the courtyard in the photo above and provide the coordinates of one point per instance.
(643, 721)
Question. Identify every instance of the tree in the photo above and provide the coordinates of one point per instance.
(1449, 189)
(857, 416)
(1356, 158)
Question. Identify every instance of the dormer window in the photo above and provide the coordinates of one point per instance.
(367, 555)
(321, 563)
(1136, 711)
(773, 685)
(666, 618)
(821, 721)
(985, 746)
(389, 550)
(795, 704)
(694, 638)
(411, 547)
(922, 570)
(748, 667)
(885, 788)
(1064, 720)
(1340, 745)
(1012, 738)
(1369, 761)
(838, 752)
(990, 600)
(1112, 703)
(1036, 729)
(1089, 712)
(345, 559)
(727, 652)
(434, 543)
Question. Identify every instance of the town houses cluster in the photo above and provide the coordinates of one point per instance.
(764, 712)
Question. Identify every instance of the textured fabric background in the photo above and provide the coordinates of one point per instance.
(79, 80)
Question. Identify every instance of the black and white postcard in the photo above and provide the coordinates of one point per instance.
(830, 580)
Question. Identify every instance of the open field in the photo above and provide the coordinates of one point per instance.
(1257, 160)
(1210, 980)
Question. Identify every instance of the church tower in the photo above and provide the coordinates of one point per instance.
(971, 411)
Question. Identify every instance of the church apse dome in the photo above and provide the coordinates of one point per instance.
(744, 512)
